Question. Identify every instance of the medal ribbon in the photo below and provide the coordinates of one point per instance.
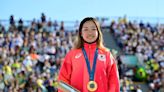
(90, 71)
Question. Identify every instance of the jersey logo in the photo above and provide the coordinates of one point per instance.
(78, 55)
(102, 57)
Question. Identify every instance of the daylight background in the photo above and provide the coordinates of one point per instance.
(35, 36)
(70, 10)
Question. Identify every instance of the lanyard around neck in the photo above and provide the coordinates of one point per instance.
(90, 71)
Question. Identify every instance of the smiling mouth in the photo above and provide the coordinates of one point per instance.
(91, 36)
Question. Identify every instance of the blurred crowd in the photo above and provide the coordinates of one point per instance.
(30, 56)
(146, 41)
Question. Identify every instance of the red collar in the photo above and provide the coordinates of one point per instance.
(92, 45)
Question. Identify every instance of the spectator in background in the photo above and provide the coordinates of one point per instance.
(55, 25)
(76, 26)
(20, 25)
(43, 17)
(12, 21)
(138, 89)
(62, 26)
(49, 27)
(2, 28)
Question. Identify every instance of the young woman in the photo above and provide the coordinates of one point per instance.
(90, 67)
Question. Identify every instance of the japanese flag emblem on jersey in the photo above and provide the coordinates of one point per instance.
(102, 57)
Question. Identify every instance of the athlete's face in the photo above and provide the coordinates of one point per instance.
(89, 31)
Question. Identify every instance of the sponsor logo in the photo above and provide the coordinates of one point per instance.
(78, 55)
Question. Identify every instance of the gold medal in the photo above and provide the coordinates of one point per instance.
(92, 86)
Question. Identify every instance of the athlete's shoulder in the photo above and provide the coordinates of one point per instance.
(104, 50)
(73, 51)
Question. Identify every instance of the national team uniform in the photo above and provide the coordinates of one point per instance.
(74, 69)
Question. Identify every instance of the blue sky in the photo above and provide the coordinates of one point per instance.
(78, 9)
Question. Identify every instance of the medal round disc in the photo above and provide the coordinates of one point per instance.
(92, 86)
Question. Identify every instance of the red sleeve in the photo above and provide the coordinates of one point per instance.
(65, 70)
(113, 77)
